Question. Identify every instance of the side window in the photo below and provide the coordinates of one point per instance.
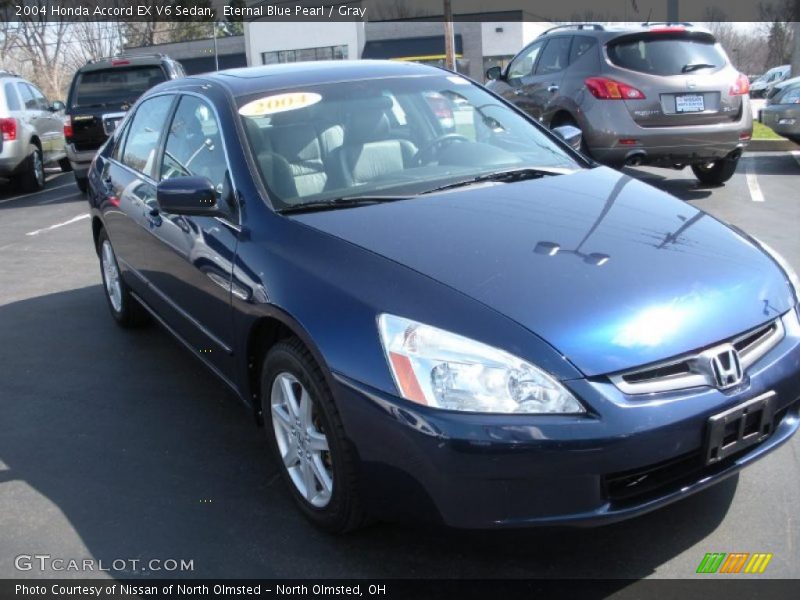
(12, 100)
(41, 101)
(27, 96)
(522, 65)
(554, 57)
(581, 44)
(141, 143)
(194, 145)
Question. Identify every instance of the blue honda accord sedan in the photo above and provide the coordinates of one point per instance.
(436, 307)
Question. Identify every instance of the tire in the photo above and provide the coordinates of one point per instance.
(717, 172)
(31, 179)
(125, 309)
(290, 379)
(65, 165)
(83, 184)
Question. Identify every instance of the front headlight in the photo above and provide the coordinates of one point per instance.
(791, 274)
(444, 370)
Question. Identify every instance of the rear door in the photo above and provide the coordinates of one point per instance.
(49, 126)
(685, 76)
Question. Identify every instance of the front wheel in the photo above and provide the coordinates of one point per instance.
(716, 172)
(308, 439)
(125, 309)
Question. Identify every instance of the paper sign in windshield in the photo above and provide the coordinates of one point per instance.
(269, 105)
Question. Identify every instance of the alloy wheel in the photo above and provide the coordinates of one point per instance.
(301, 439)
(111, 276)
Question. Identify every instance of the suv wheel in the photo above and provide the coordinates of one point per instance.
(125, 309)
(83, 184)
(717, 172)
(32, 177)
(65, 165)
(308, 440)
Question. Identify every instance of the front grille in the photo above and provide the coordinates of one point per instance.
(686, 371)
(646, 483)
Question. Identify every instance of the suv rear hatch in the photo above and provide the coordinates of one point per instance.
(684, 76)
(99, 98)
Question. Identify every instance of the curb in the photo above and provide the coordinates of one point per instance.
(771, 146)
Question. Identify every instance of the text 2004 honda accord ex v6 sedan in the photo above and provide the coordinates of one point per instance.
(437, 307)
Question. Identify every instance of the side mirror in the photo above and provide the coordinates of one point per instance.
(188, 196)
(572, 135)
(494, 73)
(57, 106)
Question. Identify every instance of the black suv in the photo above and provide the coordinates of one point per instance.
(100, 94)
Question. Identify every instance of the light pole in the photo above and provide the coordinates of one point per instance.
(449, 37)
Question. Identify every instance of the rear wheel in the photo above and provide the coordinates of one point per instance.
(716, 172)
(31, 179)
(125, 309)
(65, 165)
(83, 184)
(308, 439)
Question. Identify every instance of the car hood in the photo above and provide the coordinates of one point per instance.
(610, 271)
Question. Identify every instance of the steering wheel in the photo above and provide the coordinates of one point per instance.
(425, 154)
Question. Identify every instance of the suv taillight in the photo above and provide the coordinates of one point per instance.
(9, 128)
(603, 88)
(68, 127)
(741, 86)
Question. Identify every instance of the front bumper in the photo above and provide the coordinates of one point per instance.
(80, 160)
(486, 471)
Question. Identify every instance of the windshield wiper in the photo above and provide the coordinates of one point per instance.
(336, 203)
(695, 66)
(506, 176)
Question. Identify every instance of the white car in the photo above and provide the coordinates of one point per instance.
(32, 133)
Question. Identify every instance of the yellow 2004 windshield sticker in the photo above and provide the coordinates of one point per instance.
(269, 105)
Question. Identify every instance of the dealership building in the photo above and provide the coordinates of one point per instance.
(481, 40)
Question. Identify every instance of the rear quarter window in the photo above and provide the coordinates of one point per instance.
(115, 86)
(12, 101)
(665, 56)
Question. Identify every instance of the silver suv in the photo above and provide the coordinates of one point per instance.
(32, 133)
(662, 94)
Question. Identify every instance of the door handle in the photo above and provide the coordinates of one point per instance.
(552, 88)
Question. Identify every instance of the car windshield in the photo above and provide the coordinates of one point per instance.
(396, 136)
(115, 86)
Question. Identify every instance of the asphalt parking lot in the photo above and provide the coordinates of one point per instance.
(120, 445)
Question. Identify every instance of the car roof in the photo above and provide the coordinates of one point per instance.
(249, 80)
(608, 32)
(129, 60)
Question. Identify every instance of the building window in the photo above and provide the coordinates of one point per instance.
(304, 54)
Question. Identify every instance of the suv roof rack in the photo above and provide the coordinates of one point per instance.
(127, 55)
(668, 23)
(593, 26)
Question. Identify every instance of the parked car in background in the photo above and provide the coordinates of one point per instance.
(99, 95)
(660, 94)
(773, 90)
(471, 324)
(759, 88)
(782, 113)
(32, 133)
